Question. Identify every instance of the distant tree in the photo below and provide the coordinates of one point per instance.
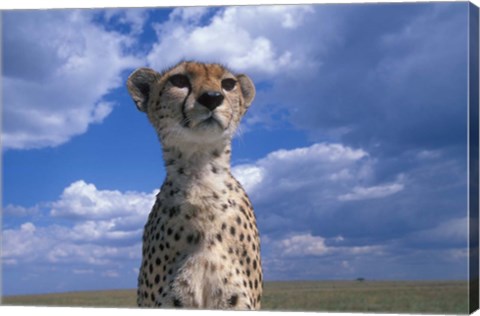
(360, 279)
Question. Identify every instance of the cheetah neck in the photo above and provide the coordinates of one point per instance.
(208, 163)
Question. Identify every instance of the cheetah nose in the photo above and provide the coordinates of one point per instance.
(211, 99)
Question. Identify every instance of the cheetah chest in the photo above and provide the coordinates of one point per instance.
(201, 249)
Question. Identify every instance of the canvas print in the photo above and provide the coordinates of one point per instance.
(318, 157)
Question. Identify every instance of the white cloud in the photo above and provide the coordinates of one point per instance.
(295, 194)
(107, 225)
(335, 153)
(16, 210)
(134, 18)
(191, 15)
(374, 192)
(249, 176)
(304, 244)
(102, 230)
(81, 199)
(304, 255)
(89, 254)
(22, 242)
(234, 37)
(58, 67)
(60, 244)
(357, 250)
(321, 167)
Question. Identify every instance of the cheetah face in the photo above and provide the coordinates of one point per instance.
(192, 102)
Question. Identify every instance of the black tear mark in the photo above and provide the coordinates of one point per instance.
(185, 120)
(233, 300)
(161, 91)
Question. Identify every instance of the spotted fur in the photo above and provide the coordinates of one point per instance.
(201, 246)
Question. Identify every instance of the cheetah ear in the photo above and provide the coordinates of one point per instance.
(248, 89)
(139, 85)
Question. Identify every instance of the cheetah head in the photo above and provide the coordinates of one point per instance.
(192, 102)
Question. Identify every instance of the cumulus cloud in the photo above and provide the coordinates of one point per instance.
(298, 188)
(249, 175)
(397, 93)
(232, 36)
(133, 18)
(360, 200)
(318, 257)
(301, 219)
(335, 202)
(62, 244)
(101, 226)
(84, 200)
(17, 243)
(58, 67)
(305, 244)
(19, 211)
(312, 65)
(374, 192)
(301, 168)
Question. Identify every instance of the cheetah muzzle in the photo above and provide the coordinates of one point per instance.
(201, 247)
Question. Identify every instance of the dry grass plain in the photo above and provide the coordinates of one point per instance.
(432, 297)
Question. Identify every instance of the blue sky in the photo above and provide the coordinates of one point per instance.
(353, 152)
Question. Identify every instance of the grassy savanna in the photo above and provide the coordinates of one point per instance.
(441, 297)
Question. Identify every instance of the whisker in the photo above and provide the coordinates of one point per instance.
(185, 121)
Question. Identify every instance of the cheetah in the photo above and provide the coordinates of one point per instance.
(201, 246)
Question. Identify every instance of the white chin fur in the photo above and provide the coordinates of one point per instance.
(198, 137)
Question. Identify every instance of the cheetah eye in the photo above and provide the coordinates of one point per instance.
(179, 81)
(228, 84)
